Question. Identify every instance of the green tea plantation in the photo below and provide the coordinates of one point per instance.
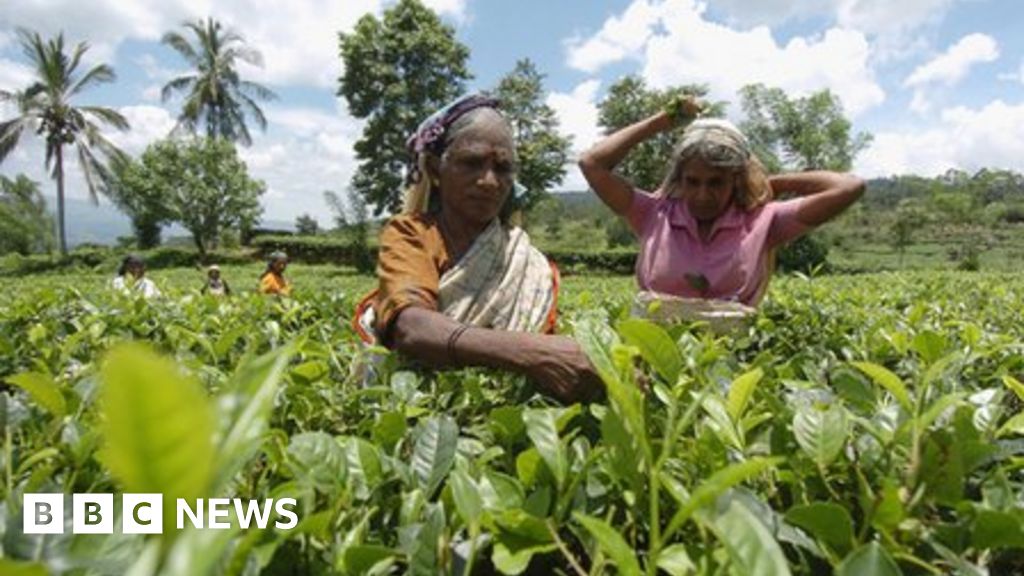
(862, 425)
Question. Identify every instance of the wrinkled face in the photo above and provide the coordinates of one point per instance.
(707, 190)
(476, 173)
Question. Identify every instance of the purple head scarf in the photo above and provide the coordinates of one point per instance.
(430, 135)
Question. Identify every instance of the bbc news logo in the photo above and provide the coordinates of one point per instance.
(144, 513)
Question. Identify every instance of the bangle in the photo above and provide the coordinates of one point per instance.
(452, 339)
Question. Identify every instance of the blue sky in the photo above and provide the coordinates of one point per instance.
(939, 83)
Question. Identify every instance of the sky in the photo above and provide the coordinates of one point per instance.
(938, 83)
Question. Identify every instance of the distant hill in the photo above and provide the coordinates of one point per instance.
(103, 224)
(88, 223)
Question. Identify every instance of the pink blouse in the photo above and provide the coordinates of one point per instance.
(732, 264)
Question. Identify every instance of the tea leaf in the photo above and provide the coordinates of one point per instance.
(43, 390)
(434, 452)
(870, 559)
(886, 379)
(611, 543)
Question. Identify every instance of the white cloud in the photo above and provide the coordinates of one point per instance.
(967, 139)
(952, 66)
(154, 70)
(728, 60)
(888, 18)
(620, 37)
(577, 113)
(577, 116)
(14, 75)
(949, 68)
(103, 23)
(919, 103)
(305, 152)
(677, 44)
(148, 124)
(772, 12)
(298, 39)
(892, 24)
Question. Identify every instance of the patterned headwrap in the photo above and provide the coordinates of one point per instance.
(717, 141)
(429, 136)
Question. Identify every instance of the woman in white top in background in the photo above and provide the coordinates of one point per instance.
(131, 278)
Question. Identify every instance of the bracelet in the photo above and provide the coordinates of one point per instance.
(452, 339)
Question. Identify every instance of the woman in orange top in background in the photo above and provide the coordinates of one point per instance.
(272, 281)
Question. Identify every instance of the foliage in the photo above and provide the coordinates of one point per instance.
(337, 206)
(201, 183)
(541, 150)
(106, 260)
(859, 425)
(25, 225)
(321, 249)
(806, 254)
(398, 70)
(353, 225)
(306, 225)
(358, 233)
(215, 94)
(909, 218)
(618, 234)
(629, 100)
(806, 133)
(45, 108)
(141, 198)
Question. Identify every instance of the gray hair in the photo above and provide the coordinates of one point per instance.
(721, 144)
(419, 195)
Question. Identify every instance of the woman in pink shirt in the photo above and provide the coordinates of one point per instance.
(710, 231)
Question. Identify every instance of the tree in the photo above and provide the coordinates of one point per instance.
(141, 199)
(25, 225)
(618, 234)
(306, 225)
(630, 100)
(542, 151)
(398, 70)
(45, 107)
(807, 133)
(206, 186)
(215, 95)
(909, 218)
(352, 222)
(337, 206)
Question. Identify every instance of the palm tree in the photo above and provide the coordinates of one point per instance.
(45, 107)
(214, 94)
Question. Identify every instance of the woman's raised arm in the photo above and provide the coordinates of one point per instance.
(598, 163)
(826, 194)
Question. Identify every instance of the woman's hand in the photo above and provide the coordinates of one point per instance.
(555, 363)
(560, 368)
(682, 109)
(598, 164)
